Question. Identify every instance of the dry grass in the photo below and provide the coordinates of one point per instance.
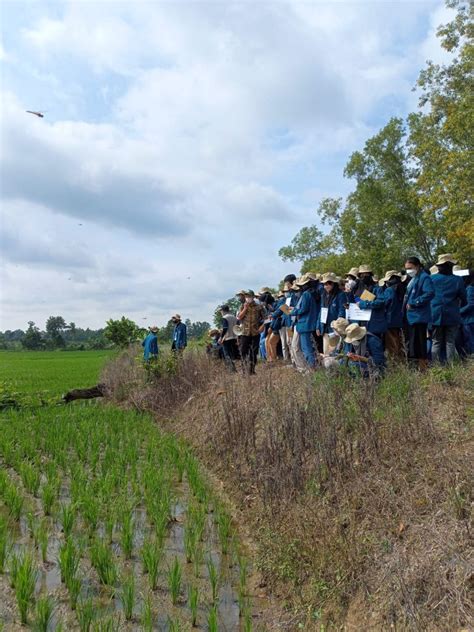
(358, 492)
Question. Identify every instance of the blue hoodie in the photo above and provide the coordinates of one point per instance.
(450, 294)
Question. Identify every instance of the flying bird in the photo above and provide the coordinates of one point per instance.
(38, 114)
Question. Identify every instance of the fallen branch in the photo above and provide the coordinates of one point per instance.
(85, 393)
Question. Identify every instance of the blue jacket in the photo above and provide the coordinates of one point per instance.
(335, 306)
(307, 313)
(450, 294)
(180, 336)
(287, 321)
(467, 312)
(377, 323)
(277, 316)
(150, 346)
(419, 293)
(393, 308)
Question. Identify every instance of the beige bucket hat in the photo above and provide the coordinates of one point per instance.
(264, 290)
(314, 275)
(306, 278)
(295, 286)
(355, 332)
(353, 272)
(329, 276)
(365, 269)
(389, 274)
(340, 325)
(447, 258)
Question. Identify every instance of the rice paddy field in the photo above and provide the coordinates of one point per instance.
(107, 523)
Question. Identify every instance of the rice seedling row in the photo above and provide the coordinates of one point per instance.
(107, 523)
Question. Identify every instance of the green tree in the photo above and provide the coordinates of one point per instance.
(55, 326)
(442, 137)
(234, 306)
(122, 332)
(32, 339)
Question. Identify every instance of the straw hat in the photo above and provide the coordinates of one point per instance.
(238, 330)
(329, 276)
(434, 270)
(213, 332)
(295, 287)
(365, 269)
(264, 290)
(355, 332)
(154, 329)
(287, 287)
(389, 274)
(306, 278)
(353, 272)
(340, 325)
(333, 340)
(314, 275)
(447, 258)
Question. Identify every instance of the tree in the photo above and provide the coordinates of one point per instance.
(234, 306)
(442, 138)
(55, 325)
(122, 332)
(32, 339)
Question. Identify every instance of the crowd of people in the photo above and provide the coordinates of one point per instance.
(359, 321)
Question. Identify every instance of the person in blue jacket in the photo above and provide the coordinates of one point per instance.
(467, 316)
(150, 345)
(417, 311)
(394, 295)
(180, 339)
(450, 296)
(332, 308)
(307, 313)
(358, 357)
(377, 325)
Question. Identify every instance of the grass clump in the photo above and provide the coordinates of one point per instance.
(103, 562)
(174, 580)
(128, 596)
(44, 611)
(25, 580)
(151, 558)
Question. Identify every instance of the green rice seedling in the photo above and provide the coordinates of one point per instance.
(25, 584)
(193, 602)
(68, 560)
(174, 580)
(44, 610)
(67, 516)
(173, 625)
(196, 514)
(103, 562)
(90, 510)
(41, 538)
(31, 477)
(109, 524)
(85, 614)
(212, 619)
(198, 560)
(48, 497)
(111, 624)
(243, 569)
(4, 543)
(74, 589)
(146, 618)
(127, 533)
(13, 565)
(14, 501)
(31, 522)
(248, 625)
(224, 525)
(213, 579)
(4, 481)
(190, 542)
(151, 558)
(128, 596)
(161, 529)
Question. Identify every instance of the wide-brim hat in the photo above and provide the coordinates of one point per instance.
(353, 272)
(329, 276)
(355, 332)
(447, 258)
(295, 286)
(340, 325)
(333, 339)
(389, 274)
(434, 270)
(240, 292)
(264, 290)
(365, 269)
(287, 287)
(303, 280)
(213, 332)
(314, 275)
(238, 330)
(154, 329)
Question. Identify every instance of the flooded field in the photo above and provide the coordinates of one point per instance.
(108, 524)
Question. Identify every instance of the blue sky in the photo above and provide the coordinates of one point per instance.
(183, 143)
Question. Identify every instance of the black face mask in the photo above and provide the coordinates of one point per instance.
(393, 282)
(445, 268)
(367, 280)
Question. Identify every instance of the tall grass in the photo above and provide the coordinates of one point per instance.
(4, 543)
(128, 596)
(193, 603)
(146, 618)
(25, 581)
(151, 559)
(85, 614)
(67, 515)
(103, 562)
(213, 579)
(44, 611)
(174, 580)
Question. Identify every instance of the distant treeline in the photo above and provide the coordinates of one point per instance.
(58, 334)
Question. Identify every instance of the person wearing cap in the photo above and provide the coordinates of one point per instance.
(251, 317)
(358, 358)
(180, 340)
(306, 313)
(150, 344)
(450, 296)
(228, 338)
(417, 312)
(332, 307)
(394, 295)
(377, 325)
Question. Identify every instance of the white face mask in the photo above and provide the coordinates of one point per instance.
(411, 273)
(350, 284)
(248, 299)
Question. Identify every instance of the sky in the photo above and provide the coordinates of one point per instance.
(183, 143)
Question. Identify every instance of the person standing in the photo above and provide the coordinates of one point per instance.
(417, 312)
(306, 313)
(150, 345)
(180, 339)
(251, 317)
(228, 337)
(467, 316)
(332, 308)
(394, 295)
(450, 295)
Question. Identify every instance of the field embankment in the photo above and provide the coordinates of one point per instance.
(357, 494)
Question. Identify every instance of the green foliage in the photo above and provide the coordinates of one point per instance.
(44, 610)
(234, 306)
(128, 596)
(32, 339)
(123, 332)
(174, 580)
(25, 580)
(55, 325)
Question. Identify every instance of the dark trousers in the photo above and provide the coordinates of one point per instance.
(231, 353)
(249, 351)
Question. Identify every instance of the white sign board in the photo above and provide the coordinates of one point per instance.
(355, 313)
